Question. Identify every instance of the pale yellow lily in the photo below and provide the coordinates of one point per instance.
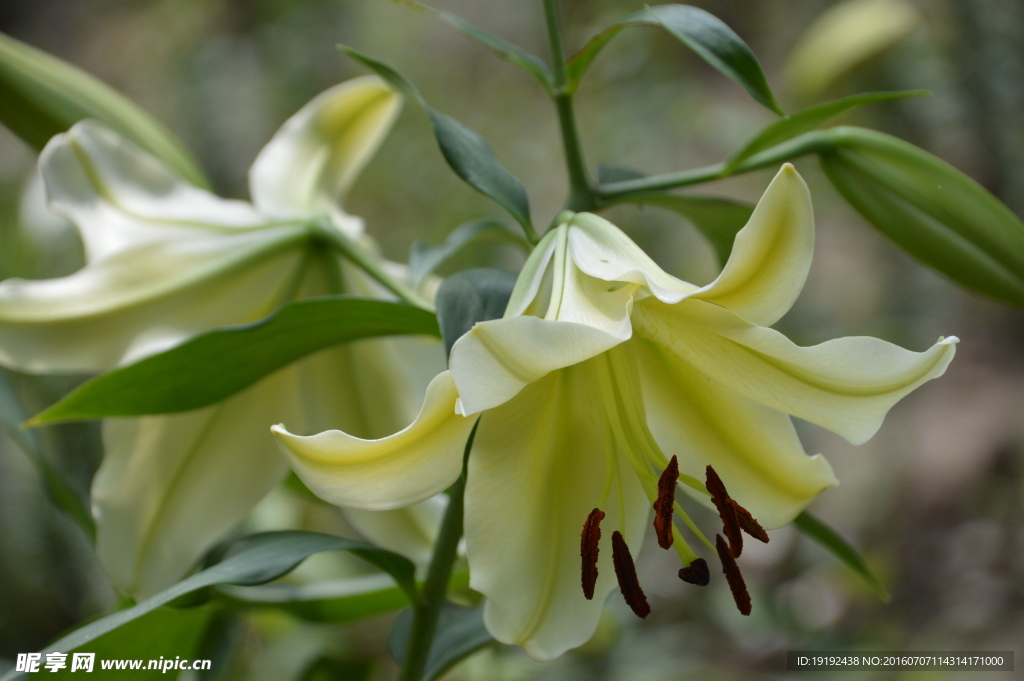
(165, 261)
(604, 367)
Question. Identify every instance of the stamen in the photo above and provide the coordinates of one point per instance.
(664, 504)
(733, 576)
(625, 572)
(589, 547)
(747, 522)
(696, 573)
(726, 510)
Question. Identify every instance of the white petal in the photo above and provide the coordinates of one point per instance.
(601, 250)
(410, 531)
(120, 196)
(532, 275)
(497, 359)
(402, 469)
(315, 157)
(537, 469)
(171, 486)
(142, 300)
(846, 385)
(771, 255)
(754, 448)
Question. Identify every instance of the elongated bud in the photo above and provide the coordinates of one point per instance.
(696, 573)
(726, 511)
(590, 541)
(663, 506)
(625, 572)
(733, 576)
(930, 209)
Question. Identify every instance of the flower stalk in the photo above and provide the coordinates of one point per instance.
(435, 588)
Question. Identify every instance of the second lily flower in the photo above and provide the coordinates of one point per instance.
(603, 368)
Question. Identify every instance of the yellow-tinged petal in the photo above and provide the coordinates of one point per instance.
(771, 255)
(119, 196)
(754, 448)
(409, 531)
(315, 157)
(171, 486)
(495, 360)
(402, 469)
(539, 465)
(846, 385)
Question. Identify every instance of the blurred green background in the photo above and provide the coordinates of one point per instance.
(935, 500)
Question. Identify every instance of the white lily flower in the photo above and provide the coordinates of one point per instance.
(603, 369)
(165, 261)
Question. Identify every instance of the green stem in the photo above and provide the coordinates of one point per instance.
(808, 143)
(435, 588)
(581, 197)
(369, 264)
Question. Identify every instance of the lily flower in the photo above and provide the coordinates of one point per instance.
(604, 373)
(165, 261)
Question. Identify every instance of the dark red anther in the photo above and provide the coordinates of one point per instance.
(726, 510)
(696, 573)
(664, 505)
(747, 522)
(733, 576)
(589, 547)
(625, 572)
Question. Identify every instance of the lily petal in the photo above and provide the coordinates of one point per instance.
(771, 255)
(142, 300)
(846, 385)
(601, 250)
(409, 531)
(317, 154)
(495, 360)
(171, 486)
(754, 448)
(120, 196)
(539, 466)
(402, 469)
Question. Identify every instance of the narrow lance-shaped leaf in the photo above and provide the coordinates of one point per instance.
(466, 152)
(841, 549)
(533, 64)
(337, 601)
(930, 209)
(702, 32)
(219, 363)
(808, 119)
(424, 259)
(255, 559)
(12, 415)
(41, 96)
(460, 633)
(476, 295)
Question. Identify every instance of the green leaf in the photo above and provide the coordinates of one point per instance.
(930, 209)
(534, 65)
(718, 219)
(424, 259)
(164, 632)
(460, 633)
(41, 96)
(219, 363)
(466, 152)
(702, 32)
(469, 297)
(841, 549)
(12, 415)
(255, 559)
(219, 643)
(338, 601)
(808, 119)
